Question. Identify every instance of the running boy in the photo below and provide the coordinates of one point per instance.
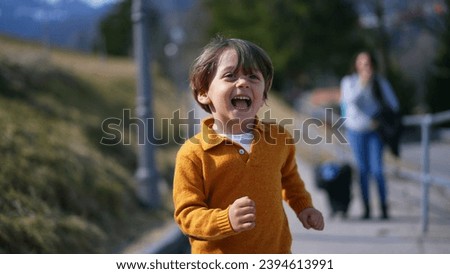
(230, 179)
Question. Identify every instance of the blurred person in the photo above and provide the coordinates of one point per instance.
(230, 179)
(365, 97)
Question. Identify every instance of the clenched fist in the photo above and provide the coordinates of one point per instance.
(242, 214)
(311, 218)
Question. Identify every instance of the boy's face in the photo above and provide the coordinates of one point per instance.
(233, 96)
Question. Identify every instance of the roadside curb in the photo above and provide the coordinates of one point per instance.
(166, 239)
(174, 242)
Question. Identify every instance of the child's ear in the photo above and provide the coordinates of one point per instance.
(203, 98)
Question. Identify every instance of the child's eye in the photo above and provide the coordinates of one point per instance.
(229, 75)
(254, 76)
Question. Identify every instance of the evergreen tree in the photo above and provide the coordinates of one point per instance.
(438, 95)
(117, 29)
(304, 38)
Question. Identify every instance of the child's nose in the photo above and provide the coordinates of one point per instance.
(242, 82)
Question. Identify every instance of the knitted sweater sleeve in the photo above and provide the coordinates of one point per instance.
(293, 188)
(192, 213)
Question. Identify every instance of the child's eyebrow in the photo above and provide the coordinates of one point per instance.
(229, 68)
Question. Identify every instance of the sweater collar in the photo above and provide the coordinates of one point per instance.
(209, 138)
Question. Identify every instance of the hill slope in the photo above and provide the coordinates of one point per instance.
(62, 191)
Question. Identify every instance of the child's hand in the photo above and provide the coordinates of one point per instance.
(242, 214)
(311, 218)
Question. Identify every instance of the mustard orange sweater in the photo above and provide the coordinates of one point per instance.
(212, 172)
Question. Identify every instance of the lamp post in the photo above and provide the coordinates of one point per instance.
(146, 174)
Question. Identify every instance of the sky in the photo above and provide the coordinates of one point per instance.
(94, 3)
(98, 2)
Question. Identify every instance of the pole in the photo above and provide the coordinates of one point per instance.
(425, 128)
(146, 174)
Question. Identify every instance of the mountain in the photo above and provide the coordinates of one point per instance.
(63, 23)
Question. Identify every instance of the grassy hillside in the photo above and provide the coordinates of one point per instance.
(61, 190)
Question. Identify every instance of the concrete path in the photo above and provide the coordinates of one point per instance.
(402, 233)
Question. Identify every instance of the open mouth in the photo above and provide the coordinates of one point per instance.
(241, 102)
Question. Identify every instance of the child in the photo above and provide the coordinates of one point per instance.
(231, 177)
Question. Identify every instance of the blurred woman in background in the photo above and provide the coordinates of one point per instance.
(364, 94)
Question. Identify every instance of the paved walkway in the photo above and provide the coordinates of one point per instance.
(402, 233)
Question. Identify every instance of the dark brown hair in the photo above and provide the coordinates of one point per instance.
(250, 57)
(372, 59)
